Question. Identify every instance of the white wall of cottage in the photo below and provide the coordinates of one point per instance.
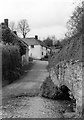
(37, 52)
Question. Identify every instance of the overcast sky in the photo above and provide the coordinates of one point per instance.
(45, 17)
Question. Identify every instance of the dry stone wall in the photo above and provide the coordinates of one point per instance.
(69, 74)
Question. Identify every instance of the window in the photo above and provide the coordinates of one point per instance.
(32, 46)
(42, 53)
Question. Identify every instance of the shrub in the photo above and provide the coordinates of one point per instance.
(48, 89)
(72, 50)
(11, 63)
(30, 59)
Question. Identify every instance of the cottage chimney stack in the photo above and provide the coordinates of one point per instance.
(6, 22)
(36, 37)
(2, 25)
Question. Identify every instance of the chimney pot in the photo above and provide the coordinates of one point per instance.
(36, 37)
(2, 25)
(6, 22)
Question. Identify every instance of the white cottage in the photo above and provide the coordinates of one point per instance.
(37, 49)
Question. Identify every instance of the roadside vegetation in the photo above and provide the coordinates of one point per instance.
(11, 63)
(67, 57)
(12, 50)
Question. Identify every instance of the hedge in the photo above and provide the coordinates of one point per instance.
(72, 50)
(11, 63)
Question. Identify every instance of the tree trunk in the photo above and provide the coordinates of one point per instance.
(24, 36)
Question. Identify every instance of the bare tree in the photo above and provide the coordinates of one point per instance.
(23, 27)
(12, 25)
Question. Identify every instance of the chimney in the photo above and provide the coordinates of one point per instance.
(6, 22)
(2, 25)
(36, 37)
(15, 32)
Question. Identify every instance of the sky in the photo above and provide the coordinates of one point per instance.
(45, 17)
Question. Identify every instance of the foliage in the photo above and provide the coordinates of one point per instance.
(11, 63)
(75, 24)
(7, 37)
(30, 59)
(23, 27)
(48, 41)
(50, 90)
(73, 43)
(71, 50)
(58, 44)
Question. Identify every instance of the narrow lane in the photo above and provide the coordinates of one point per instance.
(21, 100)
(31, 81)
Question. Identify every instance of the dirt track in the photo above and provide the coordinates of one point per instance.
(21, 100)
(32, 80)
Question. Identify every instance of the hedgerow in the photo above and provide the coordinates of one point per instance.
(11, 63)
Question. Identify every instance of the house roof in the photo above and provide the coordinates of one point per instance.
(42, 44)
(14, 37)
(20, 40)
(33, 41)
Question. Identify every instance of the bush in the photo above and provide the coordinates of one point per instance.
(9, 37)
(11, 63)
(48, 89)
(30, 59)
(72, 50)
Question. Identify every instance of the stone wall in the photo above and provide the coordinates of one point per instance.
(69, 73)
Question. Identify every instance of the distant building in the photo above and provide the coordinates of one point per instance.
(37, 49)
